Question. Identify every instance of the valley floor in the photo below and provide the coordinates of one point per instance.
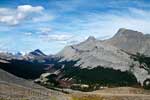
(121, 93)
(14, 92)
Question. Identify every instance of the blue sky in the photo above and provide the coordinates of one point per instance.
(50, 25)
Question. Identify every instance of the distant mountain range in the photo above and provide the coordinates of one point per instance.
(120, 60)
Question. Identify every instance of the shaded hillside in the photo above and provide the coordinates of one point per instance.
(24, 69)
(7, 77)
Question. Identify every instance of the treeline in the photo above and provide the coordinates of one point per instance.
(98, 75)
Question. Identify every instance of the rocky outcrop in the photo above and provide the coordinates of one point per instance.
(131, 41)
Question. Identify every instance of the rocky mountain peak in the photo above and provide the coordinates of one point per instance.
(122, 30)
(37, 52)
(128, 33)
(131, 41)
(91, 38)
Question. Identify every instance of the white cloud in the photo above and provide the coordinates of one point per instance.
(43, 18)
(29, 9)
(28, 33)
(45, 30)
(56, 37)
(60, 37)
(11, 20)
(15, 16)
